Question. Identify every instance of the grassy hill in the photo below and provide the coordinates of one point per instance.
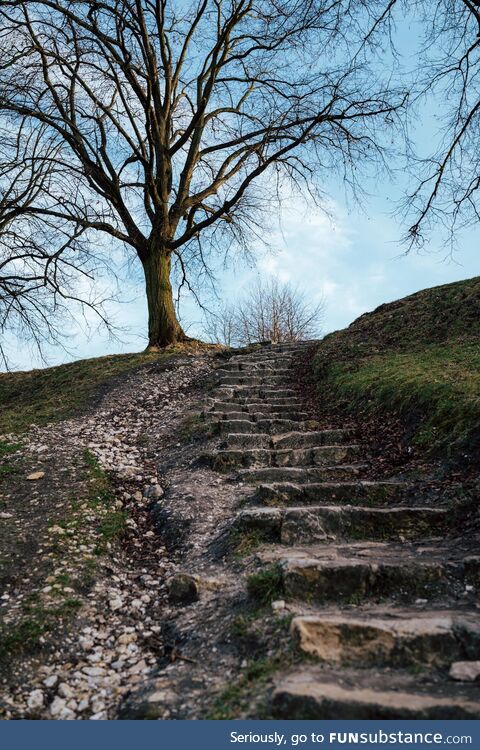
(417, 358)
(56, 393)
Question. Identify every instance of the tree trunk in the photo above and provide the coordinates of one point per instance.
(163, 326)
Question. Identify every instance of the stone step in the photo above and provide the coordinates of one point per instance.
(273, 364)
(256, 408)
(256, 416)
(312, 439)
(321, 455)
(293, 346)
(289, 440)
(355, 572)
(292, 401)
(257, 371)
(393, 637)
(251, 392)
(248, 440)
(327, 523)
(299, 474)
(271, 426)
(324, 455)
(264, 355)
(348, 493)
(267, 380)
(306, 695)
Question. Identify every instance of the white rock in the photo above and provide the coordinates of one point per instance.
(51, 681)
(57, 706)
(465, 671)
(65, 691)
(115, 604)
(94, 671)
(35, 699)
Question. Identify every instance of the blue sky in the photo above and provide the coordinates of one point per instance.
(353, 260)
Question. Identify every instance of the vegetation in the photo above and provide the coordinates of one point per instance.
(42, 396)
(94, 518)
(270, 311)
(266, 585)
(417, 358)
(7, 466)
(36, 621)
(238, 695)
(179, 187)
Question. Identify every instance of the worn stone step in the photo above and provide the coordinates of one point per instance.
(251, 392)
(257, 407)
(293, 346)
(273, 364)
(289, 440)
(248, 441)
(258, 370)
(263, 355)
(393, 637)
(271, 426)
(255, 416)
(306, 695)
(299, 474)
(321, 455)
(326, 523)
(262, 402)
(262, 380)
(356, 572)
(312, 439)
(292, 401)
(324, 455)
(366, 493)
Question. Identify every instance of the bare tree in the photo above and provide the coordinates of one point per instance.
(220, 325)
(447, 182)
(174, 125)
(446, 77)
(270, 311)
(41, 264)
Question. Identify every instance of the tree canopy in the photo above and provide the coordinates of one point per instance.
(168, 127)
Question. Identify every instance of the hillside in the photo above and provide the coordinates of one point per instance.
(417, 358)
(55, 393)
(190, 536)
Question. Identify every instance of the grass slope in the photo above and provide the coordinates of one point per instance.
(417, 358)
(42, 396)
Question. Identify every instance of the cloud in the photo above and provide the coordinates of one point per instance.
(350, 260)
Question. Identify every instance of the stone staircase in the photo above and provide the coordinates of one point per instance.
(383, 601)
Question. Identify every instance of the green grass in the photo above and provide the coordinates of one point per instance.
(113, 523)
(43, 396)
(417, 359)
(235, 697)
(7, 468)
(40, 618)
(36, 621)
(6, 448)
(244, 542)
(442, 382)
(266, 585)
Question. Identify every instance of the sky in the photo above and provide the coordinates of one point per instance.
(352, 259)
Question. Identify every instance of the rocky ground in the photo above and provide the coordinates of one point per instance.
(197, 546)
(83, 571)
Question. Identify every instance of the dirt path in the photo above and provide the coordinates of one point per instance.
(83, 571)
(260, 571)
